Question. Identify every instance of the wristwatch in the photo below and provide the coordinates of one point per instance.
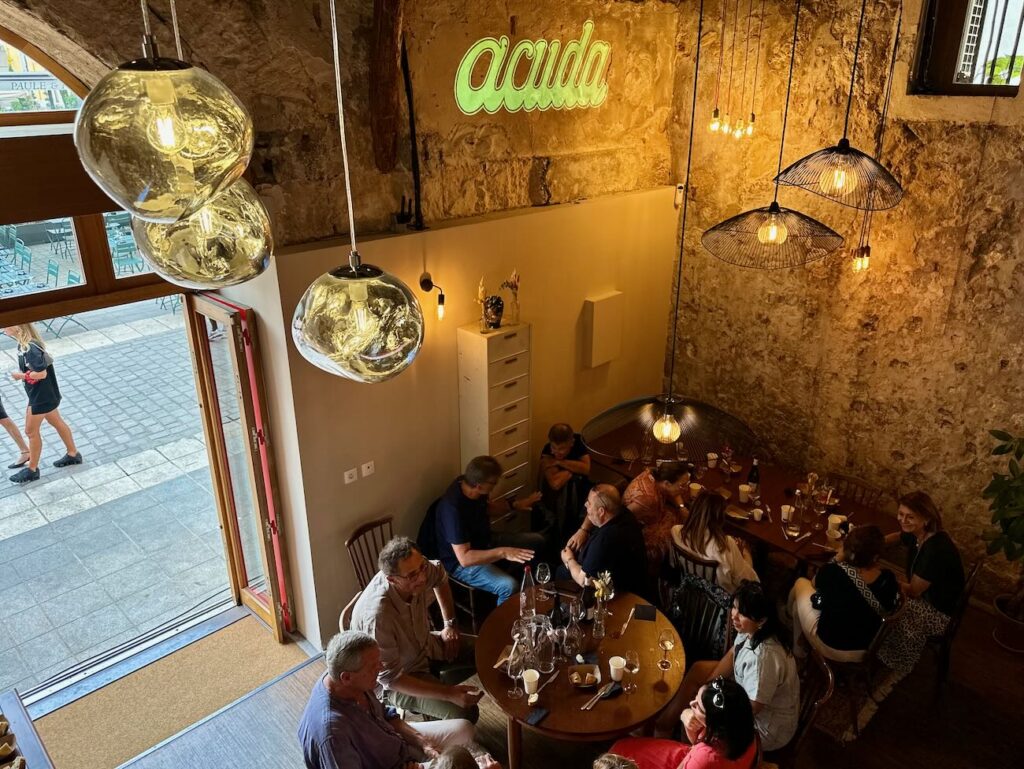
(449, 622)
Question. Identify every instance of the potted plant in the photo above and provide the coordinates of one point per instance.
(1006, 492)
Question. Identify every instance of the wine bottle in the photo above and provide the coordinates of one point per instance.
(527, 597)
(754, 476)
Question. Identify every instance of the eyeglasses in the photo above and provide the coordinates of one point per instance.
(418, 572)
(718, 698)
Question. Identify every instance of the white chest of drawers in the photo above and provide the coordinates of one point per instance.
(494, 401)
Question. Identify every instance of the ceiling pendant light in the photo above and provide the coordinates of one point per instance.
(757, 65)
(843, 173)
(226, 242)
(739, 131)
(727, 124)
(162, 137)
(716, 118)
(357, 321)
(773, 237)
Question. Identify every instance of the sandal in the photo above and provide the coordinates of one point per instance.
(67, 459)
(25, 475)
(15, 465)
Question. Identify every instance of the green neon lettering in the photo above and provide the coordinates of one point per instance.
(558, 78)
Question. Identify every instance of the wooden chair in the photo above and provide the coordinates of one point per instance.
(854, 489)
(345, 620)
(365, 544)
(862, 674)
(942, 645)
(691, 564)
(816, 686)
(700, 612)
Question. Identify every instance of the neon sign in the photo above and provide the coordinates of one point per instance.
(569, 78)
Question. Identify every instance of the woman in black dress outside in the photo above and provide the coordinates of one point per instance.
(935, 580)
(36, 372)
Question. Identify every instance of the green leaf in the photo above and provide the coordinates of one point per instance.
(1000, 435)
(1002, 448)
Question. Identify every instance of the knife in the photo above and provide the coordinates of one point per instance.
(600, 693)
(548, 681)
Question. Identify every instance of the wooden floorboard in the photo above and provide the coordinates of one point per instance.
(975, 725)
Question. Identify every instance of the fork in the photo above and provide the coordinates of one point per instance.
(600, 693)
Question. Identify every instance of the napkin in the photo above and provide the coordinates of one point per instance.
(503, 657)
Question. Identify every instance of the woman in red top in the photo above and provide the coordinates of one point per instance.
(727, 739)
(655, 499)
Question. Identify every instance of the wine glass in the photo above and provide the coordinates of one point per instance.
(543, 576)
(559, 635)
(516, 666)
(632, 667)
(666, 642)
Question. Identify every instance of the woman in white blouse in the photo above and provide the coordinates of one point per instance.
(703, 535)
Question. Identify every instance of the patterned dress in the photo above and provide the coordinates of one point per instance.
(655, 514)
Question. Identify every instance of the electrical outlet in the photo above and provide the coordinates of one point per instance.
(368, 468)
(351, 476)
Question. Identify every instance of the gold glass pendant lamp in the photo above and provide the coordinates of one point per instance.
(843, 173)
(162, 137)
(773, 237)
(357, 321)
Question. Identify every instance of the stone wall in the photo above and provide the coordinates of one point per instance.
(276, 56)
(897, 373)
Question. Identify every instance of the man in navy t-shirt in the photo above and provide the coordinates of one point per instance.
(466, 545)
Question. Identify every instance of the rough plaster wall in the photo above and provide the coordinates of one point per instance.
(276, 56)
(896, 374)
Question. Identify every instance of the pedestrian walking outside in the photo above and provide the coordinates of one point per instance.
(15, 432)
(35, 366)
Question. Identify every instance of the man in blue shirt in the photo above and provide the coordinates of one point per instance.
(466, 546)
(345, 726)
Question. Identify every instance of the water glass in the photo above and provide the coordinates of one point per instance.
(632, 668)
(666, 642)
(516, 666)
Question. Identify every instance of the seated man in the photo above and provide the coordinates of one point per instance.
(393, 609)
(564, 482)
(345, 725)
(463, 535)
(616, 545)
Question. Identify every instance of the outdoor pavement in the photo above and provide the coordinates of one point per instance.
(95, 554)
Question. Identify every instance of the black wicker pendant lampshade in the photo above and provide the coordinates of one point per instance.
(773, 237)
(843, 173)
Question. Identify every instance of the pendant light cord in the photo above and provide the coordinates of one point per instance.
(177, 34)
(145, 18)
(757, 60)
(746, 55)
(721, 51)
(732, 56)
(853, 72)
(354, 255)
(686, 200)
(789, 88)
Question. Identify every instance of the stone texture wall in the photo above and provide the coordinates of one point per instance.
(276, 56)
(895, 374)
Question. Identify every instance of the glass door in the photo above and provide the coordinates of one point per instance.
(225, 355)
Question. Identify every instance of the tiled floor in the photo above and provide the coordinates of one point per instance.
(95, 554)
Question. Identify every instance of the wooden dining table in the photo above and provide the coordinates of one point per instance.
(611, 717)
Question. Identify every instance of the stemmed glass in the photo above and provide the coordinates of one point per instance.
(666, 642)
(516, 666)
(543, 577)
(632, 667)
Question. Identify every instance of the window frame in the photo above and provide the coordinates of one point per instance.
(940, 32)
(72, 83)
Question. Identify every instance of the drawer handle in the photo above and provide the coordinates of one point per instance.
(513, 431)
(512, 336)
(511, 453)
(511, 384)
(510, 361)
(513, 407)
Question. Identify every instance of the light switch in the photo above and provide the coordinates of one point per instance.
(351, 476)
(368, 468)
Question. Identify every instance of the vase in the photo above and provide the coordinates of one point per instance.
(494, 307)
(512, 314)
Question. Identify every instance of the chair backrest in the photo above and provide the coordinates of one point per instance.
(345, 620)
(961, 604)
(365, 544)
(816, 686)
(24, 253)
(74, 278)
(700, 612)
(52, 271)
(888, 623)
(692, 564)
(854, 489)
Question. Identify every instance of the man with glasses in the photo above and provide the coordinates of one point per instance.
(422, 670)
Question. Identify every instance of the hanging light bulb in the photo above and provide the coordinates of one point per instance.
(357, 321)
(773, 232)
(162, 137)
(226, 242)
(667, 429)
(839, 180)
(427, 284)
(716, 122)
(727, 126)
(737, 131)
(750, 125)
(440, 306)
(862, 260)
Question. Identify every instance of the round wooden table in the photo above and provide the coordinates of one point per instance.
(609, 718)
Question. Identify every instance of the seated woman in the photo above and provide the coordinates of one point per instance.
(564, 481)
(759, 661)
(725, 740)
(842, 611)
(935, 575)
(703, 535)
(655, 499)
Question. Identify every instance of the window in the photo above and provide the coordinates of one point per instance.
(970, 48)
(39, 256)
(27, 86)
(123, 250)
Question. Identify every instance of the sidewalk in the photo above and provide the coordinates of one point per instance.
(94, 554)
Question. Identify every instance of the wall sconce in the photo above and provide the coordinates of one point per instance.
(427, 284)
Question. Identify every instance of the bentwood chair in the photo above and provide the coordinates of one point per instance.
(345, 620)
(699, 610)
(690, 563)
(854, 489)
(942, 645)
(365, 544)
(816, 686)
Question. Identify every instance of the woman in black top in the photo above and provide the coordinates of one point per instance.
(843, 609)
(935, 580)
(36, 372)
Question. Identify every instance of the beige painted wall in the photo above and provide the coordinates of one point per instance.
(409, 425)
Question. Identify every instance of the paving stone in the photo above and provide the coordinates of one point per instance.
(113, 559)
(132, 579)
(146, 459)
(99, 475)
(91, 339)
(128, 506)
(116, 489)
(42, 561)
(28, 624)
(76, 503)
(155, 601)
(177, 490)
(15, 599)
(204, 579)
(156, 538)
(9, 575)
(105, 646)
(17, 502)
(80, 523)
(52, 491)
(44, 652)
(102, 537)
(22, 544)
(66, 576)
(19, 523)
(75, 603)
(154, 475)
(180, 448)
(5, 640)
(195, 461)
(92, 629)
(152, 517)
(12, 669)
(184, 555)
